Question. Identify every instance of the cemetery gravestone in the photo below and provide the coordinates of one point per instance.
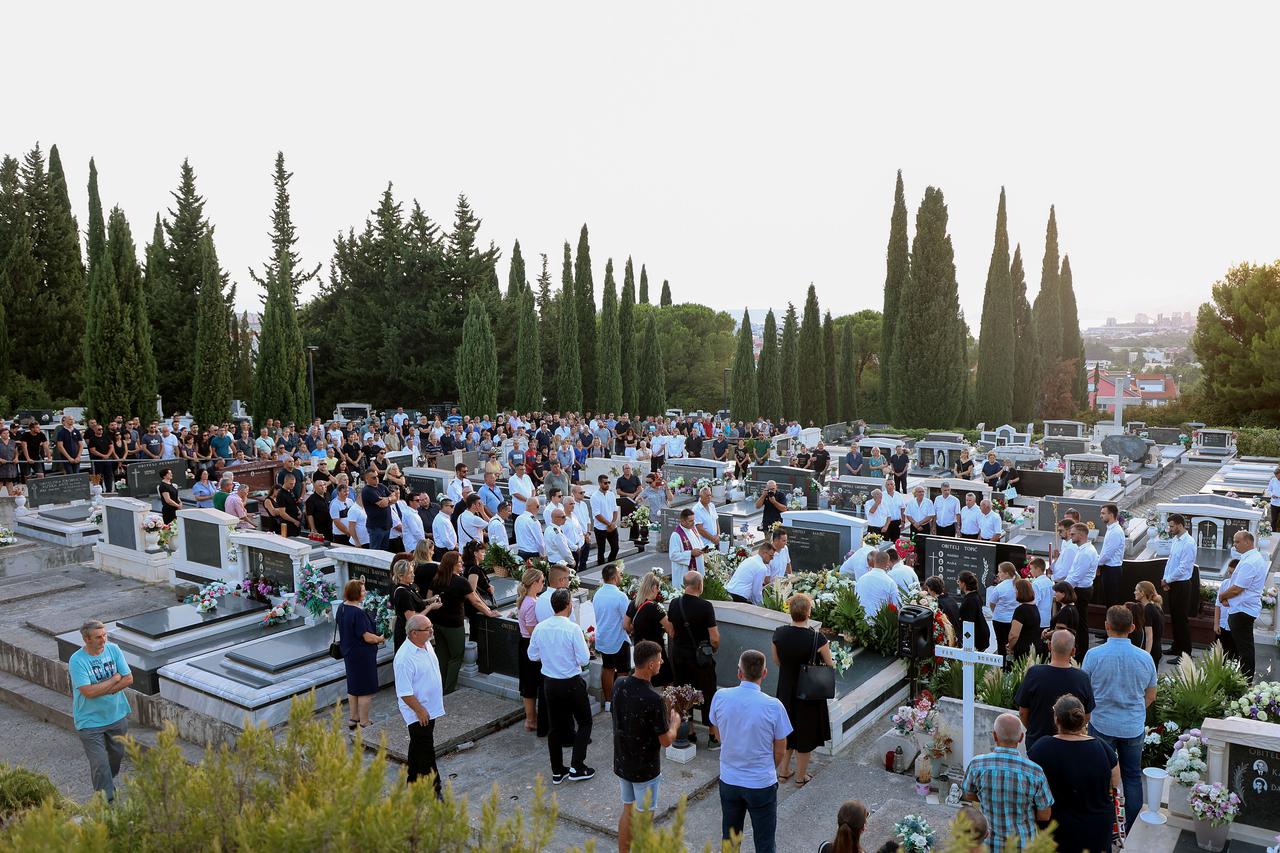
(1064, 429)
(1039, 484)
(143, 476)
(1165, 435)
(1065, 446)
(947, 557)
(203, 542)
(1128, 447)
(63, 489)
(274, 567)
(1049, 511)
(850, 494)
(1244, 756)
(120, 528)
(1088, 471)
(814, 549)
(376, 579)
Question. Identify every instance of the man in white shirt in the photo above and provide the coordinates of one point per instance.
(529, 540)
(1066, 552)
(1084, 569)
(555, 501)
(877, 513)
(1272, 494)
(497, 528)
(559, 644)
(459, 486)
(903, 575)
(990, 527)
(557, 540)
(168, 443)
(895, 504)
(412, 531)
(1241, 597)
(748, 580)
(1111, 557)
(675, 445)
(685, 548)
(706, 520)
(1042, 585)
(577, 511)
(969, 516)
(1178, 569)
(946, 511)
(875, 589)
(919, 512)
(442, 532)
(658, 449)
(557, 578)
(470, 524)
(420, 697)
(857, 563)
(780, 565)
(520, 488)
(604, 520)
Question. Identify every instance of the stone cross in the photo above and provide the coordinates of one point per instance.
(968, 656)
(1119, 400)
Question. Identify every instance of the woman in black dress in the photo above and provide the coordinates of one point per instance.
(405, 600)
(359, 639)
(169, 502)
(1153, 615)
(971, 611)
(1025, 627)
(947, 604)
(1138, 634)
(647, 620)
(794, 646)
(963, 469)
(741, 459)
(473, 570)
(1082, 772)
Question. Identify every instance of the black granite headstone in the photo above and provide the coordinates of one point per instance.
(850, 495)
(1165, 435)
(204, 545)
(1086, 470)
(376, 579)
(814, 549)
(63, 489)
(1254, 775)
(143, 476)
(1039, 484)
(947, 557)
(498, 646)
(1064, 428)
(184, 617)
(121, 531)
(1213, 439)
(274, 567)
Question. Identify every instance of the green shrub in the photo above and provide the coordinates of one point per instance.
(22, 789)
(713, 588)
(1197, 689)
(1252, 441)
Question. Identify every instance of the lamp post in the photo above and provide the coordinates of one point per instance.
(311, 378)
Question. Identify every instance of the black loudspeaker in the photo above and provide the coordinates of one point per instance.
(915, 632)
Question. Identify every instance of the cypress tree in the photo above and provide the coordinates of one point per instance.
(830, 370)
(477, 362)
(1048, 308)
(627, 338)
(508, 326)
(569, 378)
(897, 274)
(63, 292)
(584, 291)
(993, 394)
(528, 357)
(928, 345)
(244, 359)
(280, 372)
(743, 398)
(653, 390)
(1072, 342)
(768, 374)
(517, 282)
(20, 275)
(848, 374)
(788, 361)
(113, 390)
(97, 245)
(11, 203)
(609, 382)
(173, 295)
(6, 348)
(97, 234)
(666, 294)
(644, 285)
(1026, 361)
(123, 254)
(210, 393)
(549, 336)
(812, 393)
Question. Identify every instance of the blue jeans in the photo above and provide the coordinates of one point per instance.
(1129, 751)
(762, 803)
(378, 538)
(642, 795)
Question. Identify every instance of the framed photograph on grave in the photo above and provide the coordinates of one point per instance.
(1207, 533)
(1254, 775)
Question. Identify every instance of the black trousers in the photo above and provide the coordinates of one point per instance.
(739, 598)
(106, 471)
(1084, 595)
(894, 531)
(655, 462)
(946, 530)
(611, 537)
(1179, 598)
(686, 671)
(569, 715)
(626, 506)
(1241, 625)
(1275, 517)
(581, 556)
(422, 753)
(1111, 593)
(1002, 635)
(900, 482)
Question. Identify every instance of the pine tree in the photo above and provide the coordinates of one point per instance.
(584, 291)
(666, 294)
(609, 382)
(848, 373)
(653, 390)
(210, 393)
(644, 285)
(569, 378)
(173, 295)
(97, 245)
(549, 336)
(528, 357)
(993, 394)
(928, 339)
(6, 347)
(812, 395)
(897, 275)
(788, 364)
(743, 399)
(830, 370)
(280, 372)
(1026, 362)
(11, 203)
(62, 296)
(477, 362)
(627, 337)
(1072, 342)
(1048, 308)
(769, 372)
(123, 253)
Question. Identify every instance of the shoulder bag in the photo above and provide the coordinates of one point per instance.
(335, 647)
(815, 681)
(704, 655)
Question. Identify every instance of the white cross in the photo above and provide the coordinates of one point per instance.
(1119, 400)
(968, 656)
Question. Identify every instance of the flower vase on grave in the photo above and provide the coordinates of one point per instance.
(151, 538)
(1153, 779)
(1178, 799)
(1267, 619)
(19, 500)
(1211, 837)
(683, 732)
(95, 493)
(470, 654)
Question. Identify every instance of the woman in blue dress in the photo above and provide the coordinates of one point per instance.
(360, 640)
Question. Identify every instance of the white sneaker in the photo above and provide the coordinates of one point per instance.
(607, 706)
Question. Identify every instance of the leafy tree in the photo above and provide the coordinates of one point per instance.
(743, 400)
(830, 369)
(627, 339)
(549, 334)
(1072, 341)
(172, 297)
(666, 294)
(1237, 340)
(477, 362)
(569, 380)
(1047, 309)
(788, 364)
(897, 274)
(848, 376)
(993, 394)
(644, 285)
(211, 386)
(928, 339)
(584, 292)
(769, 371)
(609, 383)
(653, 391)
(811, 392)
(123, 255)
(1026, 356)
(528, 357)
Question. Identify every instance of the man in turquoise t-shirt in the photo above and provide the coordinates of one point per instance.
(99, 676)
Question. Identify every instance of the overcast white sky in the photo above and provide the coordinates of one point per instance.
(740, 150)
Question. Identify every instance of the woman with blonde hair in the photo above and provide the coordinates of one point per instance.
(406, 601)
(647, 620)
(393, 477)
(1153, 615)
(531, 585)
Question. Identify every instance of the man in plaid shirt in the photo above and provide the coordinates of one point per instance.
(1011, 788)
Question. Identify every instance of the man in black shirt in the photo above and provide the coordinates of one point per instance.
(1045, 683)
(102, 451)
(642, 726)
(693, 446)
(720, 449)
(694, 621)
(316, 510)
(377, 506)
(821, 459)
(772, 504)
(66, 448)
(899, 462)
(35, 449)
(628, 489)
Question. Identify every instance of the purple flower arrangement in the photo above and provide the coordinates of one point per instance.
(1213, 803)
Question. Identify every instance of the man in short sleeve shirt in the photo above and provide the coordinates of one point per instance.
(99, 675)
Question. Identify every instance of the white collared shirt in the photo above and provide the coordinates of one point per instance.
(411, 522)
(919, 511)
(582, 515)
(894, 503)
(1003, 600)
(945, 510)
(680, 557)
(558, 642)
(1250, 575)
(459, 488)
(1084, 567)
(1043, 588)
(1066, 556)
(470, 526)
(1182, 559)
(781, 559)
(856, 565)
(877, 516)
(417, 672)
(1272, 491)
(1112, 546)
(989, 525)
(550, 508)
(748, 579)
(498, 532)
(529, 537)
(574, 531)
(969, 521)
(875, 589)
(603, 504)
(559, 548)
(709, 518)
(520, 487)
(442, 532)
(905, 577)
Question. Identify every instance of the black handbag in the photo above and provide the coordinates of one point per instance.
(335, 647)
(816, 681)
(704, 655)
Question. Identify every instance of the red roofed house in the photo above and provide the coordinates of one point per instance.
(1107, 388)
(1156, 389)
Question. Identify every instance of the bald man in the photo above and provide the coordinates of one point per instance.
(1011, 788)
